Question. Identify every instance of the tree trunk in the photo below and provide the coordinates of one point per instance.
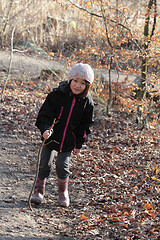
(141, 94)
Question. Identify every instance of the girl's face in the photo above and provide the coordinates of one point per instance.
(77, 86)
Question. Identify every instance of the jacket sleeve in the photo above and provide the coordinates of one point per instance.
(46, 113)
(83, 130)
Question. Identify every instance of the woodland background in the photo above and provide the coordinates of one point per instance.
(112, 35)
(117, 175)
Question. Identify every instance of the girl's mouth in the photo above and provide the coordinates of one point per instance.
(77, 90)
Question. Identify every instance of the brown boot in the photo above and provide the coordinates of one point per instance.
(39, 190)
(63, 199)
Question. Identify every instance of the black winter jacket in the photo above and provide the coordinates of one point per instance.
(74, 116)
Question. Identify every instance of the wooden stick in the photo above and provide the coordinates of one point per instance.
(37, 168)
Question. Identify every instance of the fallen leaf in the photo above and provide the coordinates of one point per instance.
(148, 206)
(83, 217)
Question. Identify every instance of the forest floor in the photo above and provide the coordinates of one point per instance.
(114, 185)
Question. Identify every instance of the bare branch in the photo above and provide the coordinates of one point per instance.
(86, 10)
(105, 24)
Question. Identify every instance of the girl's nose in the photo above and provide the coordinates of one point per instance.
(78, 84)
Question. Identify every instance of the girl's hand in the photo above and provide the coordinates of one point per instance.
(46, 134)
(76, 151)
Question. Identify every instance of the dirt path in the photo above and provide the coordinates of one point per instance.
(27, 64)
(16, 176)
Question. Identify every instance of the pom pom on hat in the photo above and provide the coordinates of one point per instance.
(83, 71)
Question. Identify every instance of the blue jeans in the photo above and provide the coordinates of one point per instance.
(46, 163)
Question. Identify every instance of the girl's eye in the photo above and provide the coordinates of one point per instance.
(82, 83)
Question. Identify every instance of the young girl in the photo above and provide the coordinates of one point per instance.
(72, 109)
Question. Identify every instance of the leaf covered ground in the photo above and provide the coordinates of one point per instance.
(114, 185)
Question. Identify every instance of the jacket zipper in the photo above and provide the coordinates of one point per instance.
(69, 116)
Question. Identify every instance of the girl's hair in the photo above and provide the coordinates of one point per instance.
(66, 88)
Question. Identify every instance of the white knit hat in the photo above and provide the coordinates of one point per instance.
(83, 71)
